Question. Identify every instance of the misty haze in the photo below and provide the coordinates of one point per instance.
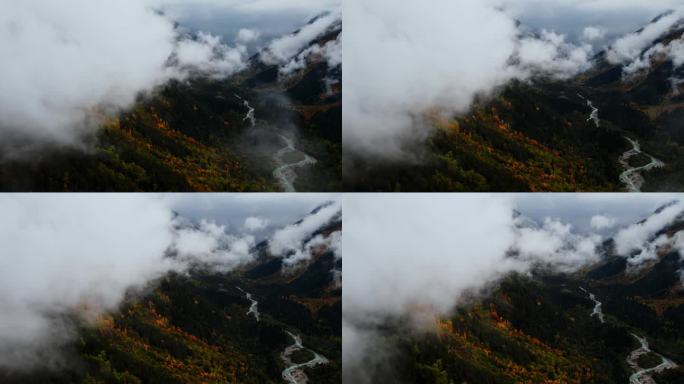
(513, 95)
(123, 288)
(477, 288)
(157, 95)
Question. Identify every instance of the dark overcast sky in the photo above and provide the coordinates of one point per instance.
(232, 209)
(578, 209)
(570, 17)
(226, 20)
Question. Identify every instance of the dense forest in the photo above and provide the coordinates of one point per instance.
(547, 327)
(536, 330)
(201, 327)
(194, 135)
(540, 136)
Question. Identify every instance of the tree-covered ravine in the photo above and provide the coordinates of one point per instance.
(205, 133)
(541, 329)
(204, 328)
(597, 131)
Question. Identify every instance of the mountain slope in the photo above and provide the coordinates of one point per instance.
(598, 131)
(213, 327)
(195, 135)
(605, 324)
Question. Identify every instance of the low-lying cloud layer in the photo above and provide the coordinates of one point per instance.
(67, 64)
(296, 243)
(416, 256)
(636, 50)
(402, 60)
(291, 52)
(638, 242)
(67, 255)
(429, 250)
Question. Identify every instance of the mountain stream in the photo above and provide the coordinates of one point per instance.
(253, 308)
(640, 375)
(294, 373)
(632, 177)
(287, 159)
(250, 111)
(643, 375)
(598, 311)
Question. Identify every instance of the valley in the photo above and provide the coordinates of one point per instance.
(609, 322)
(294, 373)
(288, 160)
(632, 177)
(597, 311)
(248, 325)
(254, 131)
(543, 134)
(253, 307)
(640, 375)
(643, 375)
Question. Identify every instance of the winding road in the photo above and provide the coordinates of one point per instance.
(632, 177)
(294, 373)
(288, 159)
(640, 375)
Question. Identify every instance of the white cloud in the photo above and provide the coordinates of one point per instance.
(331, 52)
(65, 62)
(290, 50)
(402, 59)
(260, 6)
(555, 244)
(639, 244)
(440, 55)
(674, 50)
(418, 256)
(550, 53)
(592, 33)
(291, 238)
(72, 253)
(210, 245)
(594, 6)
(648, 252)
(404, 249)
(246, 35)
(415, 255)
(630, 47)
(677, 52)
(601, 222)
(636, 237)
(330, 242)
(255, 223)
(62, 253)
(208, 54)
(297, 245)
